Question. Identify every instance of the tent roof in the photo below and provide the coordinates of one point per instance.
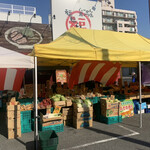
(86, 44)
(12, 59)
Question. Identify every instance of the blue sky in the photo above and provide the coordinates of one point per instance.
(140, 6)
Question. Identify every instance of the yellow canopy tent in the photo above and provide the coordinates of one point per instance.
(86, 44)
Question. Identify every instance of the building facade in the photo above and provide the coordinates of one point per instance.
(18, 13)
(117, 19)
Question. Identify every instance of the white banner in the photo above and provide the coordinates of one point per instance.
(75, 13)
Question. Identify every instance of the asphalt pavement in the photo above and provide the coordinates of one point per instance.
(121, 136)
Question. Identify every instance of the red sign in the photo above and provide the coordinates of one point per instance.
(61, 76)
(78, 19)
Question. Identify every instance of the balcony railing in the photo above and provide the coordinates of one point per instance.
(18, 9)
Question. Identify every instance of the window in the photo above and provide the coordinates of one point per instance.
(131, 15)
(108, 13)
(120, 14)
(120, 25)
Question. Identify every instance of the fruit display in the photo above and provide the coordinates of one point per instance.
(45, 102)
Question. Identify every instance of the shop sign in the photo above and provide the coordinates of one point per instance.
(23, 37)
(75, 13)
(61, 76)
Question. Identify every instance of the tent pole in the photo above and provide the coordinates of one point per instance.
(140, 92)
(35, 107)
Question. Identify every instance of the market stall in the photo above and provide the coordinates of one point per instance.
(84, 44)
(12, 72)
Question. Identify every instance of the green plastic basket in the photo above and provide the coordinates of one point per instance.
(110, 120)
(48, 140)
(50, 148)
(26, 121)
(57, 128)
(94, 100)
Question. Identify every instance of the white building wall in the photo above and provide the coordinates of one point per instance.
(20, 18)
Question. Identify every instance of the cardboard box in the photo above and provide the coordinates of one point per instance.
(82, 109)
(108, 105)
(68, 103)
(128, 113)
(59, 103)
(68, 117)
(49, 119)
(68, 122)
(67, 111)
(79, 124)
(13, 123)
(13, 107)
(14, 133)
(81, 115)
(54, 122)
(11, 114)
(110, 112)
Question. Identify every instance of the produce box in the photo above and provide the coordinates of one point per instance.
(82, 109)
(127, 108)
(68, 122)
(68, 103)
(105, 104)
(110, 120)
(14, 133)
(59, 103)
(68, 117)
(45, 118)
(79, 124)
(54, 122)
(110, 112)
(12, 114)
(13, 123)
(67, 111)
(128, 113)
(13, 107)
(81, 115)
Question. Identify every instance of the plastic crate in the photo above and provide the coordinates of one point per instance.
(96, 111)
(26, 121)
(143, 105)
(1, 103)
(94, 100)
(48, 138)
(147, 110)
(110, 120)
(54, 147)
(27, 101)
(57, 128)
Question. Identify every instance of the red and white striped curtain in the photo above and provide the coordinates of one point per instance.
(104, 72)
(11, 79)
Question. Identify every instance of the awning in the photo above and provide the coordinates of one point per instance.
(104, 72)
(86, 44)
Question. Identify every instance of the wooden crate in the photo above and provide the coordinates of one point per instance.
(82, 109)
(14, 133)
(79, 124)
(13, 123)
(12, 114)
(81, 115)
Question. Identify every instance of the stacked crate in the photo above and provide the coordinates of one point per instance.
(110, 112)
(54, 123)
(13, 120)
(26, 121)
(67, 114)
(82, 117)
